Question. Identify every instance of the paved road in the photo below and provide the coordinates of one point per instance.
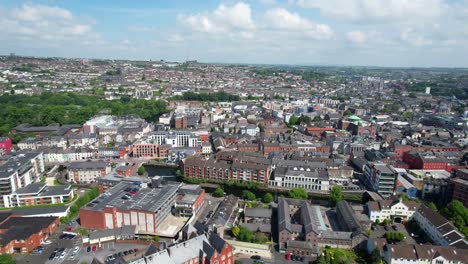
(211, 204)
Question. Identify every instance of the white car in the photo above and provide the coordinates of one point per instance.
(62, 256)
(47, 242)
(76, 249)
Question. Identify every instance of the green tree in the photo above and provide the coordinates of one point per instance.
(336, 195)
(298, 193)
(237, 261)
(407, 115)
(82, 231)
(248, 195)
(432, 206)
(347, 113)
(7, 259)
(386, 222)
(156, 238)
(375, 256)
(320, 260)
(218, 192)
(267, 198)
(235, 230)
(293, 120)
(141, 170)
(457, 213)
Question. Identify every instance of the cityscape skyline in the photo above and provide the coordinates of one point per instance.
(355, 33)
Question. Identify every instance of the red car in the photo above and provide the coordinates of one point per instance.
(69, 228)
(94, 248)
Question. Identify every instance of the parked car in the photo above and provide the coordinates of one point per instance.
(395, 227)
(76, 249)
(88, 249)
(256, 257)
(52, 256)
(94, 248)
(386, 228)
(47, 242)
(62, 255)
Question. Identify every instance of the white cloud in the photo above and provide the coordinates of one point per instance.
(140, 29)
(357, 37)
(384, 10)
(175, 38)
(39, 22)
(280, 18)
(414, 38)
(222, 19)
(38, 13)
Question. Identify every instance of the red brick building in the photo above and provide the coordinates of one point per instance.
(180, 122)
(23, 234)
(318, 131)
(424, 161)
(190, 200)
(248, 147)
(225, 167)
(460, 186)
(275, 147)
(145, 150)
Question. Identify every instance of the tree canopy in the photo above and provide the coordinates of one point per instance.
(141, 170)
(336, 195)
(294, 120)
(248, 195)
(7, 259)
(267, 198)
(218, 192)
(235, 230)
(68, 108)
(457, 213)
(298, 193)
(207, 97)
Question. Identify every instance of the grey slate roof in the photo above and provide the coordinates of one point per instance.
(257, 212)
(40, 210)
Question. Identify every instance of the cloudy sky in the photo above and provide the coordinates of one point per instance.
(309, 32)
